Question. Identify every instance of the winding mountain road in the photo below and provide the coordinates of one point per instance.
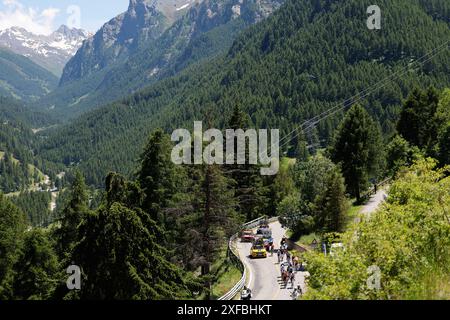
(264, 274)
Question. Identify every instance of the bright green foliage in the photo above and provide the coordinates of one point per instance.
(408, 239)
(36, 269)
(291, 212)
(281, 187)
(358, 149)
(443, 116)
(399, 153)
(310, 176)
(443, 110)
(320, 203)
(12, 228)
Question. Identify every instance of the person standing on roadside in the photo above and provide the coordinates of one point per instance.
(292, 279)
(288, 256)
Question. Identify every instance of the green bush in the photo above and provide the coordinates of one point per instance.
(408, 239)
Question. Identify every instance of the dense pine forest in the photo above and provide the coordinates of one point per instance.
(355, 107)
(187, 214)
(305, 59)
(18, 163)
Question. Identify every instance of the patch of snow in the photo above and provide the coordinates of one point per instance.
(183, 7)
(236, 9)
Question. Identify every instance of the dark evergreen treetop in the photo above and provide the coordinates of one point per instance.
(358, 148)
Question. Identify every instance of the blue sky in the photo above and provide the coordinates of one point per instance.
(45, 16)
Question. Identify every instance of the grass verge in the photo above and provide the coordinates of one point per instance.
(226, 275)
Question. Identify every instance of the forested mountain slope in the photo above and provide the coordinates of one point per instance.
(304, 59)
(17, 145)
(134, 50)
(23, 79)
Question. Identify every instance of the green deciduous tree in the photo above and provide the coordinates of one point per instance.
(399, 153)
(281, 187)
(320, 203)
(443, 118)
(292, 215)
(407, 240)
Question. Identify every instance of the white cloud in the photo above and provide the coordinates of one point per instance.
(36, 21)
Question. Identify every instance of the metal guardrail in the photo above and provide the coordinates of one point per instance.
(233, 254)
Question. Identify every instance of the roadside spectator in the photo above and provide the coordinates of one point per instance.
(288, 256)
(295, 263)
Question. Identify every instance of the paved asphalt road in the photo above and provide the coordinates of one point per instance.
(374, 202)
(264, 274)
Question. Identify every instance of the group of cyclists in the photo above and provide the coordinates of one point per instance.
(289, 265)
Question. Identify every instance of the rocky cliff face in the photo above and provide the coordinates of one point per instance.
(146, 20)
(190, 37)
(144, 45)
(117, 39)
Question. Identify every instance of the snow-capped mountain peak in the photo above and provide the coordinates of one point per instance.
(51, 52)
